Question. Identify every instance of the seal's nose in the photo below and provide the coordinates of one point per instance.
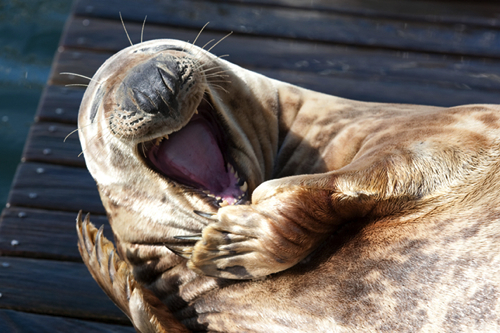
(152, 87)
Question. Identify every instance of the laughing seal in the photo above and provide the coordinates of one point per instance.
(241, 203)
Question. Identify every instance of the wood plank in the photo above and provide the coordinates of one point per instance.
(55, 288)
(43, 234)
(46, 143)
(308, 25)
(321, 59)
(70, 60)
(15, 321)
(387, 91)
(366, 73)
(59, 104)
(108, 35)
(54, 187)
(482, 13)
(409, 88)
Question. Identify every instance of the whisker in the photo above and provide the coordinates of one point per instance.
(80, 75)
(220, 82)
(216, 86)
(210, 41)
(90, 123)
(220, 40)
(208, 102)
(199, 33)
(124, 28)
(217, 79)
(76, 85)
(67, 136)
(213, 68)
(143, 24)
(219, 74)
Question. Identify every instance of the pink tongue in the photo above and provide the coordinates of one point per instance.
(193, 157)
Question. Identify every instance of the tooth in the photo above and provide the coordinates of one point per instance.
(244, 187)
(157, 142)
(223, 203)
(166, 136)
(218, 198)
(235, 173)
(211, 195)
(196, 111)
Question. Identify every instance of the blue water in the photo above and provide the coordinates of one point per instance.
(29, 35)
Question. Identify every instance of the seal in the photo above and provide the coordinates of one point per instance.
(242, 203)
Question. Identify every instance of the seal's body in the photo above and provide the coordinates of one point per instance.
(241, 203)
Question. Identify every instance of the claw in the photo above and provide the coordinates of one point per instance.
(84, 232)
(184, 256)
(195, 237)
(98, 245)
(112, 266)
(179, 253)
(206, 215)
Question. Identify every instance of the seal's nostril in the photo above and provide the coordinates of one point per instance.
(170, 82)
(144, 102)
(171, 90)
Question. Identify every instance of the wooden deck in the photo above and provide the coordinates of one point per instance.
(427, 52)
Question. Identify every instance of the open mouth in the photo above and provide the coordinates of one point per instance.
(197, 156)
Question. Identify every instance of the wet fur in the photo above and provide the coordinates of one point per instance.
(363, 216)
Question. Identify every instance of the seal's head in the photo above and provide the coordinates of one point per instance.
(167, 124)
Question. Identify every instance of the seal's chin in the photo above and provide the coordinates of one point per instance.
(196, 156)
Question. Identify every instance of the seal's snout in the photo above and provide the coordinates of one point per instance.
(154, 96)
(152, 87)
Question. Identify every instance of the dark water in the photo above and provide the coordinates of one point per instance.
(29, 35)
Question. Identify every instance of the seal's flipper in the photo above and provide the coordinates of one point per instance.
(146, 312)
